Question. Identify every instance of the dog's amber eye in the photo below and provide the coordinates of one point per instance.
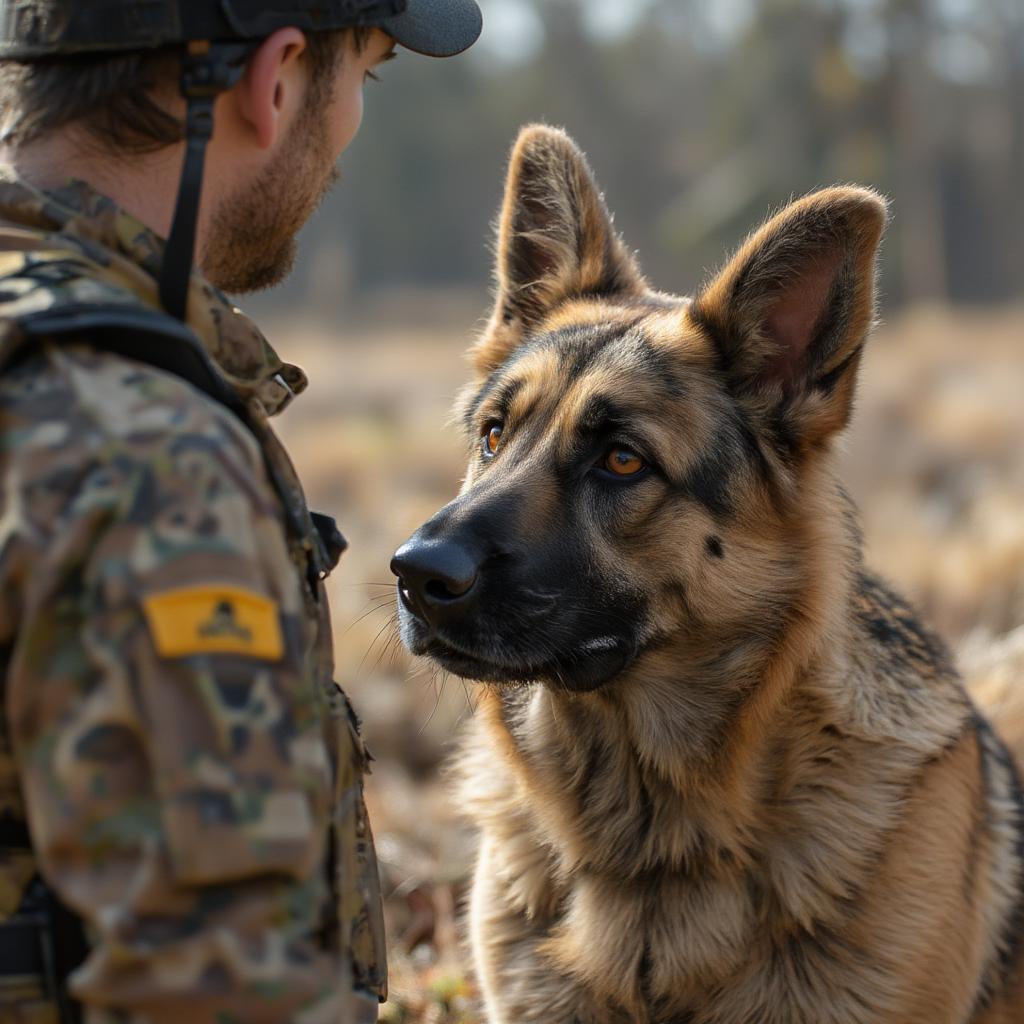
(623, 462)
(492, 440)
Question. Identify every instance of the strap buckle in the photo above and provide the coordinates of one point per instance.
(213, 68)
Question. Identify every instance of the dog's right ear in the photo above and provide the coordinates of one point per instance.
(556, 242)
(789, 314)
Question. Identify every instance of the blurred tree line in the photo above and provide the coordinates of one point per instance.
(699, 116)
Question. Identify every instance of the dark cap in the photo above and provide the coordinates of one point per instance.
(437, 28)
(30, 29)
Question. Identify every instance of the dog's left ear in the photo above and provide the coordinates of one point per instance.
(790, 313)
(556, 241)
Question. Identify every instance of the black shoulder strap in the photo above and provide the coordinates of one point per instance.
(148, 336)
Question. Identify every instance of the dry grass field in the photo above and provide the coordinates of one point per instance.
(935, 460)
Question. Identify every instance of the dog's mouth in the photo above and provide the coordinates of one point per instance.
(509, 635)
(588, 667)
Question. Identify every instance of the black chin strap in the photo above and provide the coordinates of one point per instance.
(209, 70)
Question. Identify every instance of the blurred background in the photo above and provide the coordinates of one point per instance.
(699, 118)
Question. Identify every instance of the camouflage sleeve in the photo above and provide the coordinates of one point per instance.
(164, 709)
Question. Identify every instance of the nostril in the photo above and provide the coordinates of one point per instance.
(448, 590)
(438, 591)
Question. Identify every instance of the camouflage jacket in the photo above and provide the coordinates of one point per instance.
(190, 774)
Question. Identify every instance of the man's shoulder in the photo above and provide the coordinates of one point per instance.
(78, 328)
(110, 396)
(72, 403)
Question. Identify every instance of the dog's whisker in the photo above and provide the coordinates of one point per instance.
(389, 647)
(365, 615)
(387, 625)
(437, 703)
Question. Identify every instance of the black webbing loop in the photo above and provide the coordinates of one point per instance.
(332, 539)
(44, 942)
(209, 70)
(14, 835)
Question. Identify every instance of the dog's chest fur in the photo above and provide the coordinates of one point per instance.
(728, 893)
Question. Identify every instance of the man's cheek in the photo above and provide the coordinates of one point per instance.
(349, 116)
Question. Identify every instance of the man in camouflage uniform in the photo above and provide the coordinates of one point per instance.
(182, 830)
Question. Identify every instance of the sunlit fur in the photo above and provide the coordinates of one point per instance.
(784, 809)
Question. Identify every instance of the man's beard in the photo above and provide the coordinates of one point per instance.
(252, 242)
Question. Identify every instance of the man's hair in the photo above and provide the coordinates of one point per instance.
(113, 96)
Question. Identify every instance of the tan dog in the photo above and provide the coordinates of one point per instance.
(722, 774)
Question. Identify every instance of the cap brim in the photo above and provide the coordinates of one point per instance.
(437, 28)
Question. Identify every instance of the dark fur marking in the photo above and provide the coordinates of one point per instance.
(506, 394)
(780, 431)
(751, 444)
(503, 395)
(600, 414)
(709, 480)
(827, 384)
(645, 971)
(663, 367)
(495, 377)
(851, 517)
(757, 458)
(469, 420)
(969, 877)
(735, 446)
(1013, 928)
(578, 347)
(715, 548)
(713, 334)
(893, 624)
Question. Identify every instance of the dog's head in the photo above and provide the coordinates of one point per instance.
(647, 474)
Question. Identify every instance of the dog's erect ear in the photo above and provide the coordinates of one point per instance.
(791, 311)
(555, 242)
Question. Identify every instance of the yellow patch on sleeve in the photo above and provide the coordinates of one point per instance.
(214, 620)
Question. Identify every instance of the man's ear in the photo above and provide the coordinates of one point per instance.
(556, 241)
(790, 313)
(262, 95)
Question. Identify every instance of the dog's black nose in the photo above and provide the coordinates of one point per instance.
(437, 578)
